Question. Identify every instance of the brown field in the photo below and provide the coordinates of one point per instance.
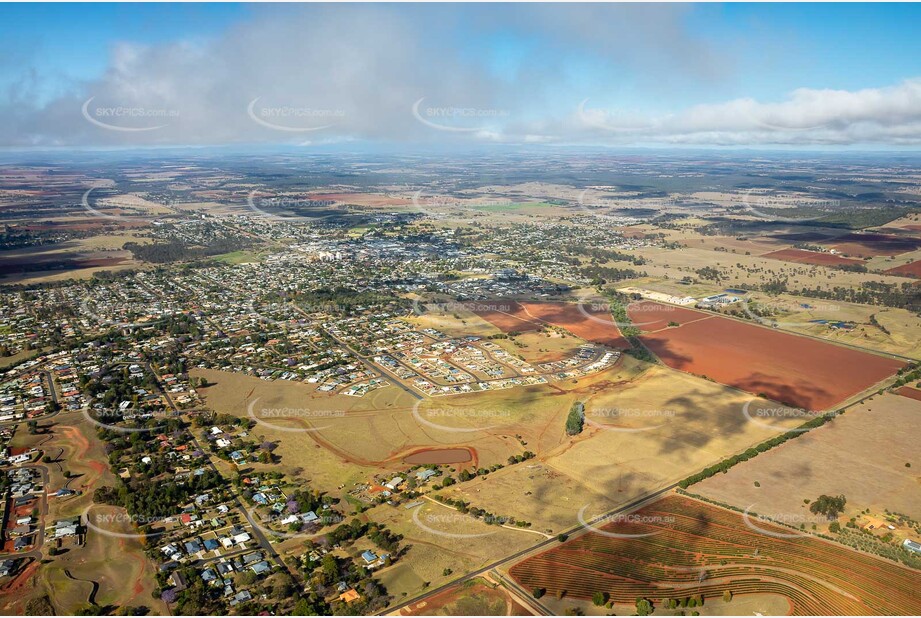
(910, 392)
(512, 316)
(810, 257)
(912, 269)
(787, 368)
(861, 454)
(476, 597)
(694, 548)
(869, 245)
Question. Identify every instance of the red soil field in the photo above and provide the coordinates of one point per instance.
(510, 316)
(697, 548)
(810, 257)
(912, 269)
(869, 245)
(787, 368)
(910, 392)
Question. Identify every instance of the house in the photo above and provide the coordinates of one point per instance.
(261, 567)
(369, 556)
(211, 544)
(192, 547)
(394, 483)
(241, 597)
(424, 475)
(349, 595)
(241, 538)
(309, 517)
(178, 580)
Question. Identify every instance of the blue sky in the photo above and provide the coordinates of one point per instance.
(538, 62)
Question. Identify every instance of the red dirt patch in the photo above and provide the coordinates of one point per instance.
(801, 256)
(787, 368)
(910, 392)
(912, 269)
(584, 321)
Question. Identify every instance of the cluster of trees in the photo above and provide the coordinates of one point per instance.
(486, 516)
(149, 498)
(829, 506)
(178, 251)
(576, 419)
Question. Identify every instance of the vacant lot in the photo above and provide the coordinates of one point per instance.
(695, 548)
(476, 597)
(786, 368)
(810, 257)
(861, 454)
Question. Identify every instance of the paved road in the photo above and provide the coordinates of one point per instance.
(264, 542)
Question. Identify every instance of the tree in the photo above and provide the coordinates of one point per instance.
(537, 592)
(644, 607)
(600, 598)
(830, 506)
(727, 596)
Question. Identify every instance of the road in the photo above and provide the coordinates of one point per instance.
(573, 533)
(264, 542)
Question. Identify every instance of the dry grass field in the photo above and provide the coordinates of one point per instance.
(861, 454)
(641, 434)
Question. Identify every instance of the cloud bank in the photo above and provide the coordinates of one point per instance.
(315, 74)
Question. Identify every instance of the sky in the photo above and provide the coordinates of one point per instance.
(811, 76)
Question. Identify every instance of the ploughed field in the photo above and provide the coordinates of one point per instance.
(810, 257)
(586, 321)
(693, 548)
(912, 269)
(787, 368)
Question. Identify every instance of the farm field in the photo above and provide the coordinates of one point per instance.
(863, 454)
(869, 245)
(640, 434)
(693, 548)
(598, 326)
(912, 269)
(810, 257)
(786, 368)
